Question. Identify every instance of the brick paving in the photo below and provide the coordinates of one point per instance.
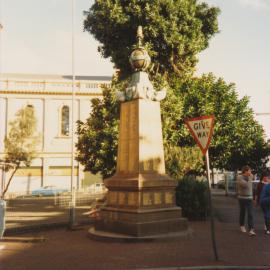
(61, 249)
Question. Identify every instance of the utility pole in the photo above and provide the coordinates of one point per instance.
(2, 202)
(1, 30)
(72, 187)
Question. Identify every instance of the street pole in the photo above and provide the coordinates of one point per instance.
(211, 208)
(198, 126)
(2, 201)
(1, 28)
(72, 187)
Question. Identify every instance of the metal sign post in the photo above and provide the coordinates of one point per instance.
(201, 129)
(213, 236)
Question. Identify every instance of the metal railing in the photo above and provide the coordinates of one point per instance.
(28, 211)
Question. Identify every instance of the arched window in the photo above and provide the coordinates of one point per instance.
(65, 121)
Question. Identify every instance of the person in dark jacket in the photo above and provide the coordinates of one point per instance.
(265, 204)
(264, 180)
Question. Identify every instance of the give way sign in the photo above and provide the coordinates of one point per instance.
(201, 129)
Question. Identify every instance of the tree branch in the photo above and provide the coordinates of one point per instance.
(174, 66)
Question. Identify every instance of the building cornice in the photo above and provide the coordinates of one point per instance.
(51, 77)
(23, 92)
(32, 86)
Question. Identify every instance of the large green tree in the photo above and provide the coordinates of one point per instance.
(238, 138)
(175, 31)
(20, 143)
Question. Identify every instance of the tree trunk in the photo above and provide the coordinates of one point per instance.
(9, 180)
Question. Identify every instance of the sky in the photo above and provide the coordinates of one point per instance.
(37, 39)
(240, 53)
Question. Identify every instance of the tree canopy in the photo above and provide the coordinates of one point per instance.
(175, 31)
(238, 138)
(21, 142)
(97, 137)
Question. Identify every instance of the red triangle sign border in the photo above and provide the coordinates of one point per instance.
(188, 121)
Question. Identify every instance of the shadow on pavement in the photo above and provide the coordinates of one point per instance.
(66, 250)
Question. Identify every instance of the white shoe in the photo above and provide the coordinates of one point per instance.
(243, 229)
(251, 233)
(267, 232)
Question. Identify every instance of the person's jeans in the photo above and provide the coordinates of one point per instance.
(246, 206)
(264, 209)
(267, 223)
(266, 219)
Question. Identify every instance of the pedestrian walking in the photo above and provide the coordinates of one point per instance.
(245, 199)
(265, 204)
(264, 180)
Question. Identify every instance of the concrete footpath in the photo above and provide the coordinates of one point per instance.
(62, 249)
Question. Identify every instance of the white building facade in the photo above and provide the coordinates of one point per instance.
(51, 98)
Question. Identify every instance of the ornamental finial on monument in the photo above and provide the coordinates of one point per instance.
(140, 87)
(139, 58)
(140, 35)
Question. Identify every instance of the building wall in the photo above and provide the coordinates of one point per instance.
(2, 123)
(53, 164)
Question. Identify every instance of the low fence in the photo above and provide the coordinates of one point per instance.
(81, 199)
(29, 211)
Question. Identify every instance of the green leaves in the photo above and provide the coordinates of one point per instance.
(174, 31)
(183, 160)
(238, 138)
(191, 196)
(97, 137)
(22, 140)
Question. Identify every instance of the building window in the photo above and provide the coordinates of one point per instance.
(65, 121)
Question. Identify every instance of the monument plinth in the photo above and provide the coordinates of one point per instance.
(141, 197)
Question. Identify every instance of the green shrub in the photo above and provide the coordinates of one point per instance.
(191, 196)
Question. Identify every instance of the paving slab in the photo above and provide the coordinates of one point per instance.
(66, 250)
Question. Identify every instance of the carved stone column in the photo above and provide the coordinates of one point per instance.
(141, 197)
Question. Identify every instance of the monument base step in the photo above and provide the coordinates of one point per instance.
(100, 235)
(141, 228)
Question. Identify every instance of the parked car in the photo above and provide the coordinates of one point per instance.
(97, 188)
(48, 191)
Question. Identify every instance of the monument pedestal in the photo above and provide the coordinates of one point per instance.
(141, 197)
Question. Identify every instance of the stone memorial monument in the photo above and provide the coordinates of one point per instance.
(141, 197)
